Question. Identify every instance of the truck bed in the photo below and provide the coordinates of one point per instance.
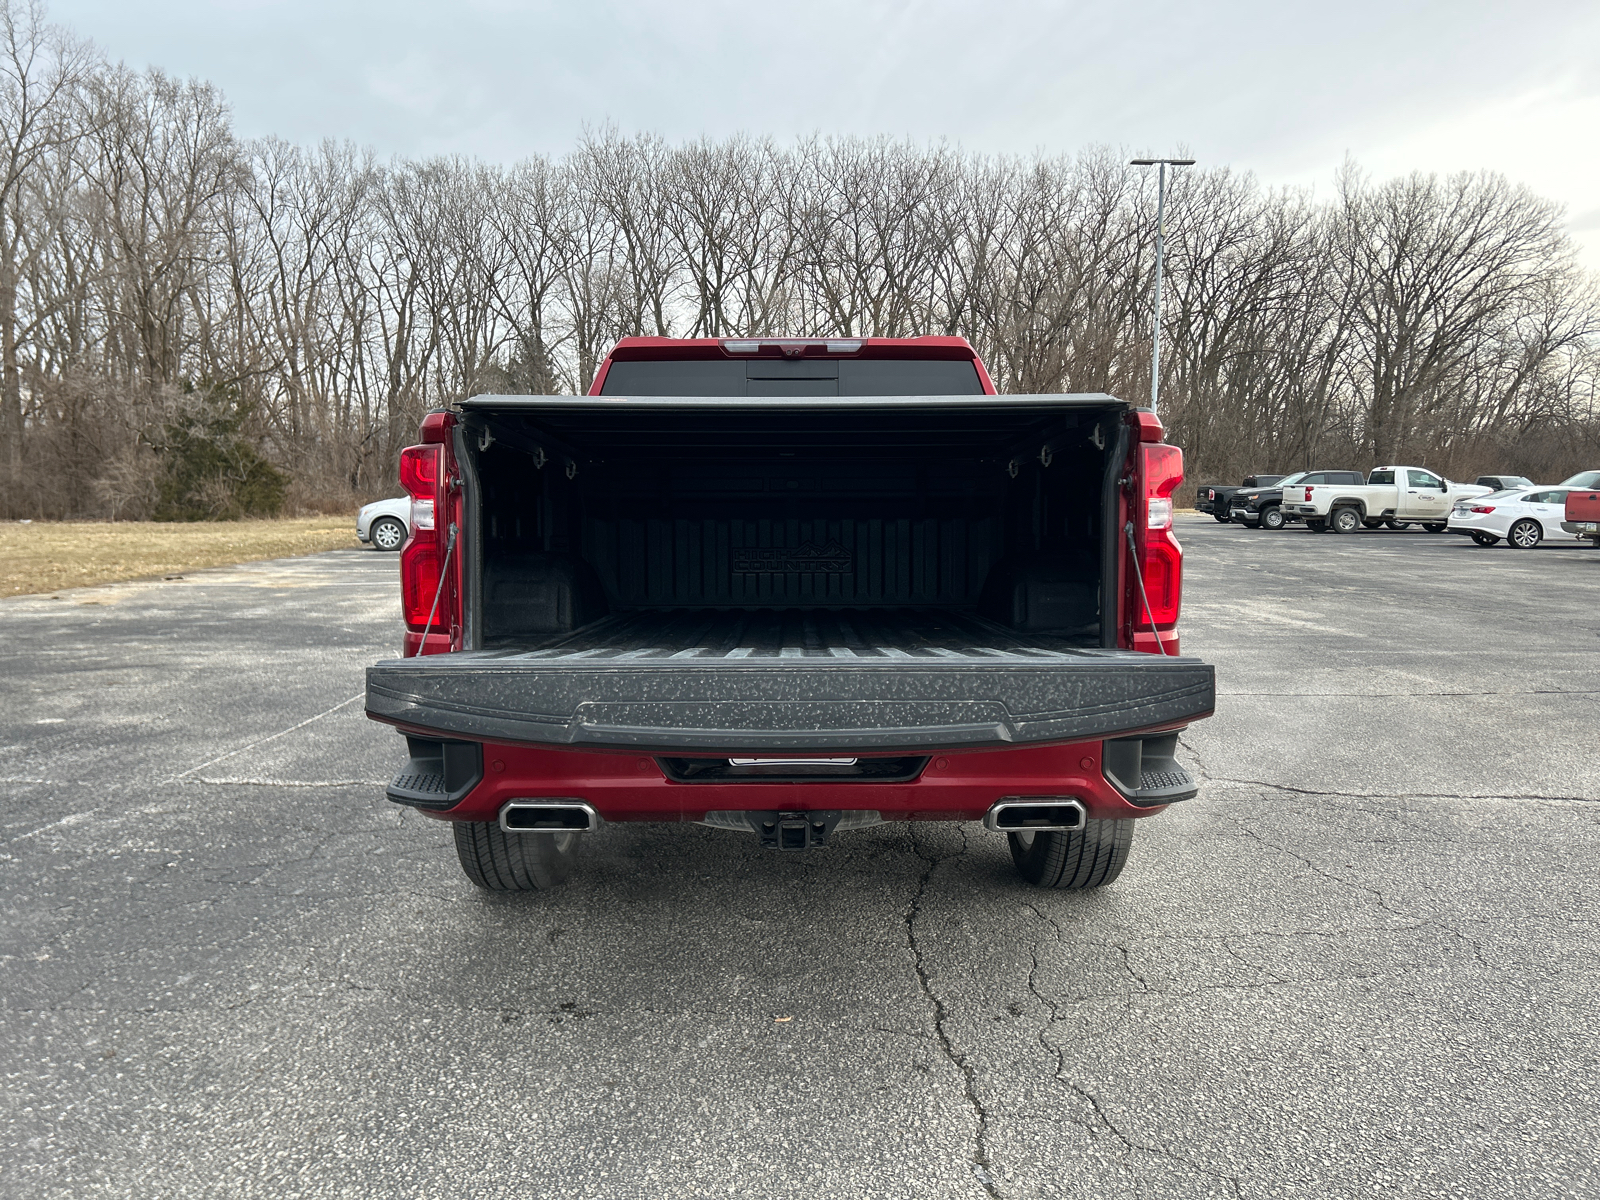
(790, 679)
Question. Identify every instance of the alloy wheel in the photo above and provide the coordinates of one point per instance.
(387, 534)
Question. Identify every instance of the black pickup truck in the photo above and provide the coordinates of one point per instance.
(790, 588)
(1214, 498)
(1262, 507)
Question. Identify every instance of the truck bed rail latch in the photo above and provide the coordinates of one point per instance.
(793, 830)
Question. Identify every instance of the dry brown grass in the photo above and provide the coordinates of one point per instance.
(48, 555)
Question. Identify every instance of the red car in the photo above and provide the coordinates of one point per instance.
(791, 588)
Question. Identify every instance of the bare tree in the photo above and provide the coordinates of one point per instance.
(150, 264)
(1436, 266)
(42, 73)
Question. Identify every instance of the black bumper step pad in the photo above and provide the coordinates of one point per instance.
(1152, 761)
(438, 774)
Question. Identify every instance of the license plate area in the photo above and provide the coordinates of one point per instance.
(776, 769)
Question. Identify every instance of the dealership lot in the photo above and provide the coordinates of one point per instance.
(1362, 962)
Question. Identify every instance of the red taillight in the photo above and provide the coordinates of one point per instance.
(419, 583)
(422, 475)
(1484, 508)
(1160, 555)
(1308, 495)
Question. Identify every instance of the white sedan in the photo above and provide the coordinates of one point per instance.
(385, 523)
(1524, 517)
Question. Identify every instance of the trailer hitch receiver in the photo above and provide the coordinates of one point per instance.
(793, 830)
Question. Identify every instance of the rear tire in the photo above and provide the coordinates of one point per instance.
(1222, 517)
(1434, 527)
(1272, 518)
(1346, 520)
(1398, 524)
(1486, 539)
(1372, 524)
(498, 861)
(1075, 859)
(1317, 526)
(1524, 535)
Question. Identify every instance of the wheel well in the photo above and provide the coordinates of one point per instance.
(1348, 502)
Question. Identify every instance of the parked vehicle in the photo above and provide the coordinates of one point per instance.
(791, 588)
(1583, 506)
(1214, 498)
(1391, 495)
(1522, 517)
(1262, 508)
(385, 523)
(1504, 483)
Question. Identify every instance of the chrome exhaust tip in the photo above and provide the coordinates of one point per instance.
(548, 816)
(1035, 814)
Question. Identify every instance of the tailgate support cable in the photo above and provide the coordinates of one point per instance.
(444, 567)
(1133, 554)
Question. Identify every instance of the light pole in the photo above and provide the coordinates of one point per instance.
(1161, 212)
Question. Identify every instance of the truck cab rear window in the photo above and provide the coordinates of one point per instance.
(793, 377)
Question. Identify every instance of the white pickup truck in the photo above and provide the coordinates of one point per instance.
(1396, 495)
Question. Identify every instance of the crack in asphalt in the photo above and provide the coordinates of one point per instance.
(1272, 976)
(1301, 791)
(1127, 965)
(1136, 1147)
(1421, 919)
(1352, 884)
(1199, 759)
(981, 1161)
(1102, 1118)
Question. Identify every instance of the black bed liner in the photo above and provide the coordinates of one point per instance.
(791, 679)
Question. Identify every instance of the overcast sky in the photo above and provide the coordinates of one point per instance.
(1279, 89)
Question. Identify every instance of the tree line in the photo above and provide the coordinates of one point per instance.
(195, 324)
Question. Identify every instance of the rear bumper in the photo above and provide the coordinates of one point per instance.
(808, 705)
(955, 786)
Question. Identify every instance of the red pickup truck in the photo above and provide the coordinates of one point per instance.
(791, 587)
(1583, 506)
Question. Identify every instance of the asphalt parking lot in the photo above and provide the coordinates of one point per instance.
(1361, 963)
